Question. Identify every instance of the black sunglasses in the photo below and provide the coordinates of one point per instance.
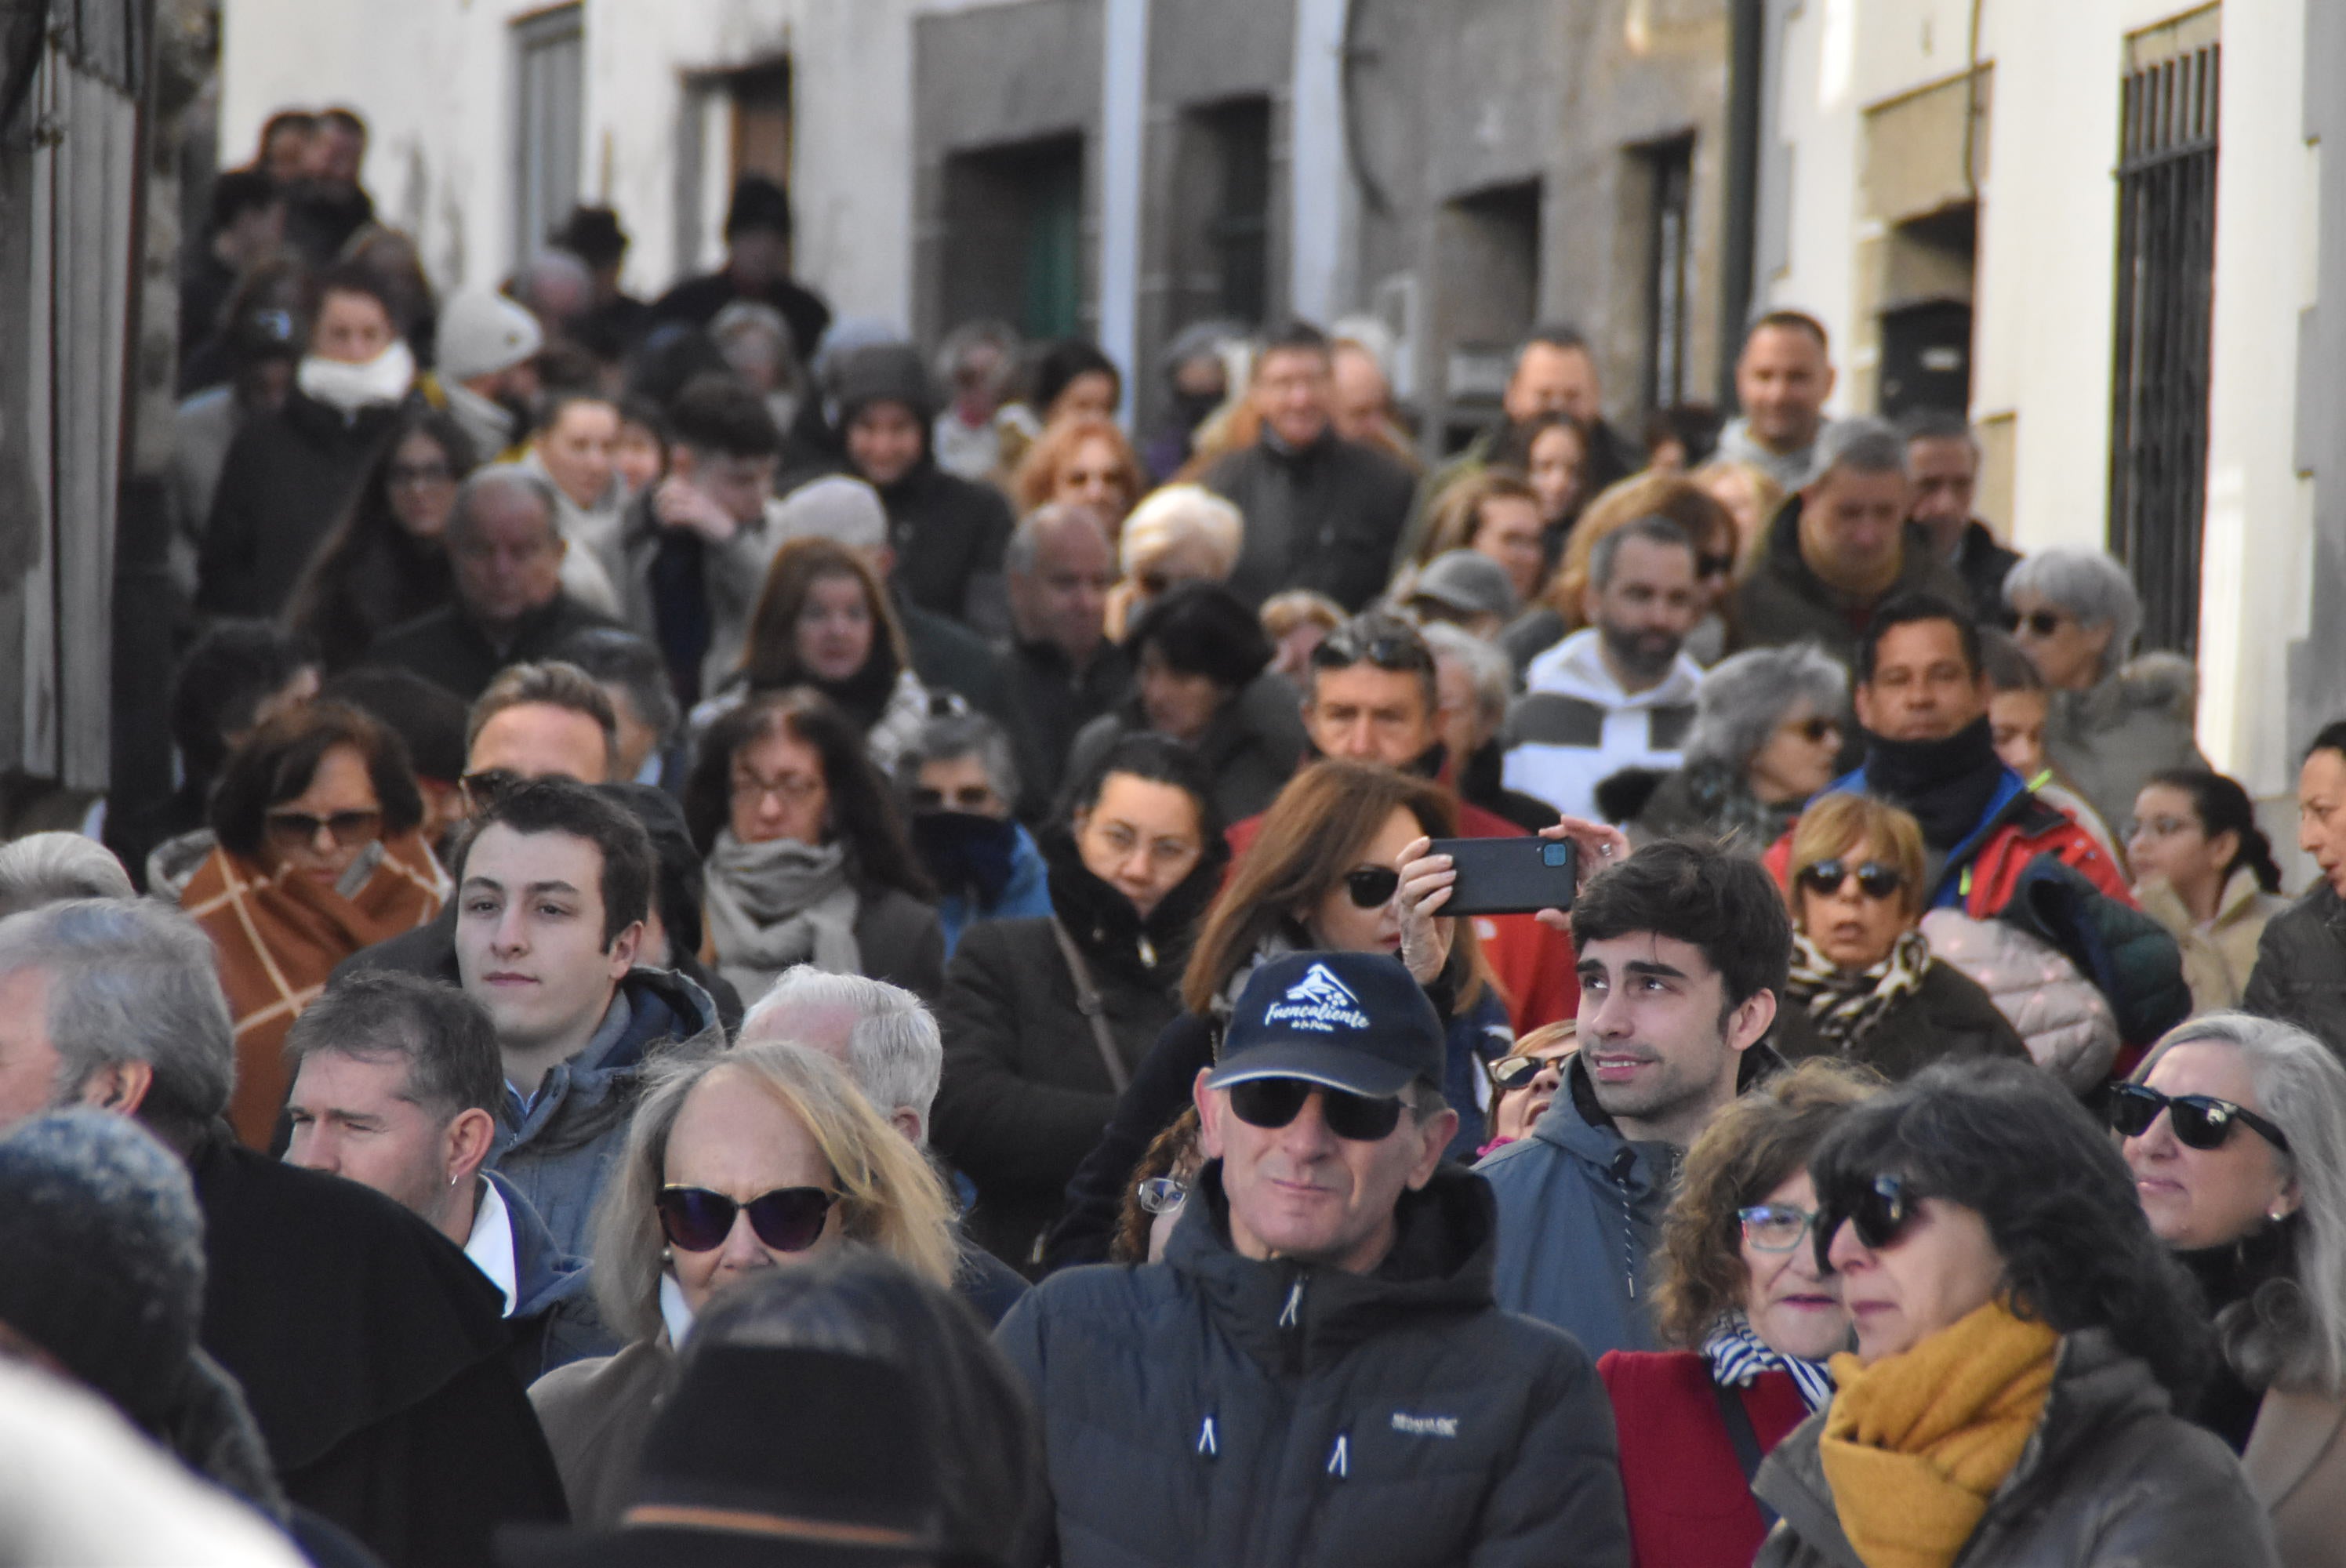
(2042, 623)
(2200, 1121)
(1275, 1102)
(1371, 887)
(1515, 1072)
(1874, 879)
(1815, 730)
(1342, 649)
(1879, 1210)
(347, 827)
(787, 1219)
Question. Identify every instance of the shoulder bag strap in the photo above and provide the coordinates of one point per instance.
(1089, 1003)
(1746, 1439)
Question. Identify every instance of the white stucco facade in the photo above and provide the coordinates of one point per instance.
(2045, 291)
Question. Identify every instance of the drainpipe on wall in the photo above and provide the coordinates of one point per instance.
(1740, 229)
(1124, 115)
(1321, 198)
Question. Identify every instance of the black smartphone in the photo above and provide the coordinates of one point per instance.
(1510, 876)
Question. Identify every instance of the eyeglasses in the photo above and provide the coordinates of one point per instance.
(1816, 731)
(1713, 565)
(1162, 1195)
(1371, 887)
(1879, 1210)
(796, 789)
(2040, 623)
(1775, 1227)
(297, 829)
(401, 475)
(2200, 1121)
(1874, 879)
(484, 789)
(1276, 1102)
(787, 1219)
(2159, 827)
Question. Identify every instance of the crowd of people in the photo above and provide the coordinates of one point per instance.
(769, 946)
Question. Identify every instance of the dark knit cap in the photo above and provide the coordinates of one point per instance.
(102, 1255)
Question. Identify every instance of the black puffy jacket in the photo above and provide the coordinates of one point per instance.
(2301, 973)
(1211, 1409)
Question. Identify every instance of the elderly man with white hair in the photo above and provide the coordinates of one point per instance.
(891, 1047)
(2112, 721)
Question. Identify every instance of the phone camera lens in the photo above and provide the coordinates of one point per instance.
(1553, 853)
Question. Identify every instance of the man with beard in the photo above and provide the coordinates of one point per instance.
(1684, 949)
(1620, 693)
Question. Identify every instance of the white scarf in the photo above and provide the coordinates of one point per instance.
(347, 388)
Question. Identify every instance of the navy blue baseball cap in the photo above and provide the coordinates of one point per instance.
(1352, 1020)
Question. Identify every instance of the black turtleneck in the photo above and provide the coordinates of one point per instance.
(2228, 1276)
(1946, 784)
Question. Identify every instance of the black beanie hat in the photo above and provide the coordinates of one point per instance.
(102, 1255)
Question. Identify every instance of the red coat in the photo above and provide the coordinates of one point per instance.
(1533, 964)
(1690, 1506)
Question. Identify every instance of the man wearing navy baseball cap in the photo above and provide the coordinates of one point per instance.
(1316, 1372)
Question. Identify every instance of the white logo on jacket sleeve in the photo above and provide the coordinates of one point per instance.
(1425, 1426)
(1317, 1001)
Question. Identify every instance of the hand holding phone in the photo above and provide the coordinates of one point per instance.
(1510, 876)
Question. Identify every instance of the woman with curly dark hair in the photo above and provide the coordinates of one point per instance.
(384, 563)
(1754, 1319)
(2020, 1334)
(807, 858)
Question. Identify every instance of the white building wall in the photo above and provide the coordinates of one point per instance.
(2046, 286)
(436, 88)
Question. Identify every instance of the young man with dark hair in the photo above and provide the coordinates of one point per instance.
(1683, 953)
(1321, 512)
(553, 887)
(397, 1085)
(696, 545)
(1318, 1358)
(758, 232)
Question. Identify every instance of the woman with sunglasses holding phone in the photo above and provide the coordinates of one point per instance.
(738, 1161)
(1753, 1318)
(2021, 1333)
(1330, 868)
(1864, 985)
(2235, 1128)
(319, 855)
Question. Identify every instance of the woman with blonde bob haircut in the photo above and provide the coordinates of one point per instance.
(2235, 1129)
(1865, 983)
(762, 1156)
(1181, 534)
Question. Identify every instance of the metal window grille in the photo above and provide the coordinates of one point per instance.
(2165, 266)
(550, 59)
(1668, 262)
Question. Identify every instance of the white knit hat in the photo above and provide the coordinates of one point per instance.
(481, 333)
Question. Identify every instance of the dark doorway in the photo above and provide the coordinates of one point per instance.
(1014, 246)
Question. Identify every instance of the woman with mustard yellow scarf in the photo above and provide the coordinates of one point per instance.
(2021, 1335)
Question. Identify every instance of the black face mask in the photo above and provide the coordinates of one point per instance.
(1191, 409)
(962, 851)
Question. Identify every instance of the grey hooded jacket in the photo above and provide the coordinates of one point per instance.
(2111, 1478)
(1580, 1212)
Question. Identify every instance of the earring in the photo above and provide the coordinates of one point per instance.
(2277, 1216)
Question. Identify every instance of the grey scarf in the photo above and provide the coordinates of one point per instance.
(777, 904)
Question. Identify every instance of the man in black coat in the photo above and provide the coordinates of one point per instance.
(504, 554)
(2301, 973)
(948, 535)
(1316, 1372)
(1064, 672)
(1321, 512)
(1943, 462)
(369, 1350)
(757, 268)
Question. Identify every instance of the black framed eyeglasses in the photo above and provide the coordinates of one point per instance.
(2200, 1121)
(1276, 1102)
(1879, 1208)
(1371, 887)
(1876, 879)
(1775, 1227)
(787, 1219)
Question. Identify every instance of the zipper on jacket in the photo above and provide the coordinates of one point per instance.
(1290, 1322)
(1623, 1162)
(1209, 1444)
(1340, 1458)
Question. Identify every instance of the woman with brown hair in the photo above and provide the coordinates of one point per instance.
(824, 621)
(1081, 460)
(1688, 506)
(316, 814)
(1753, 1318)
(1494, 512)
(1864, 985)
(1341, 863)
